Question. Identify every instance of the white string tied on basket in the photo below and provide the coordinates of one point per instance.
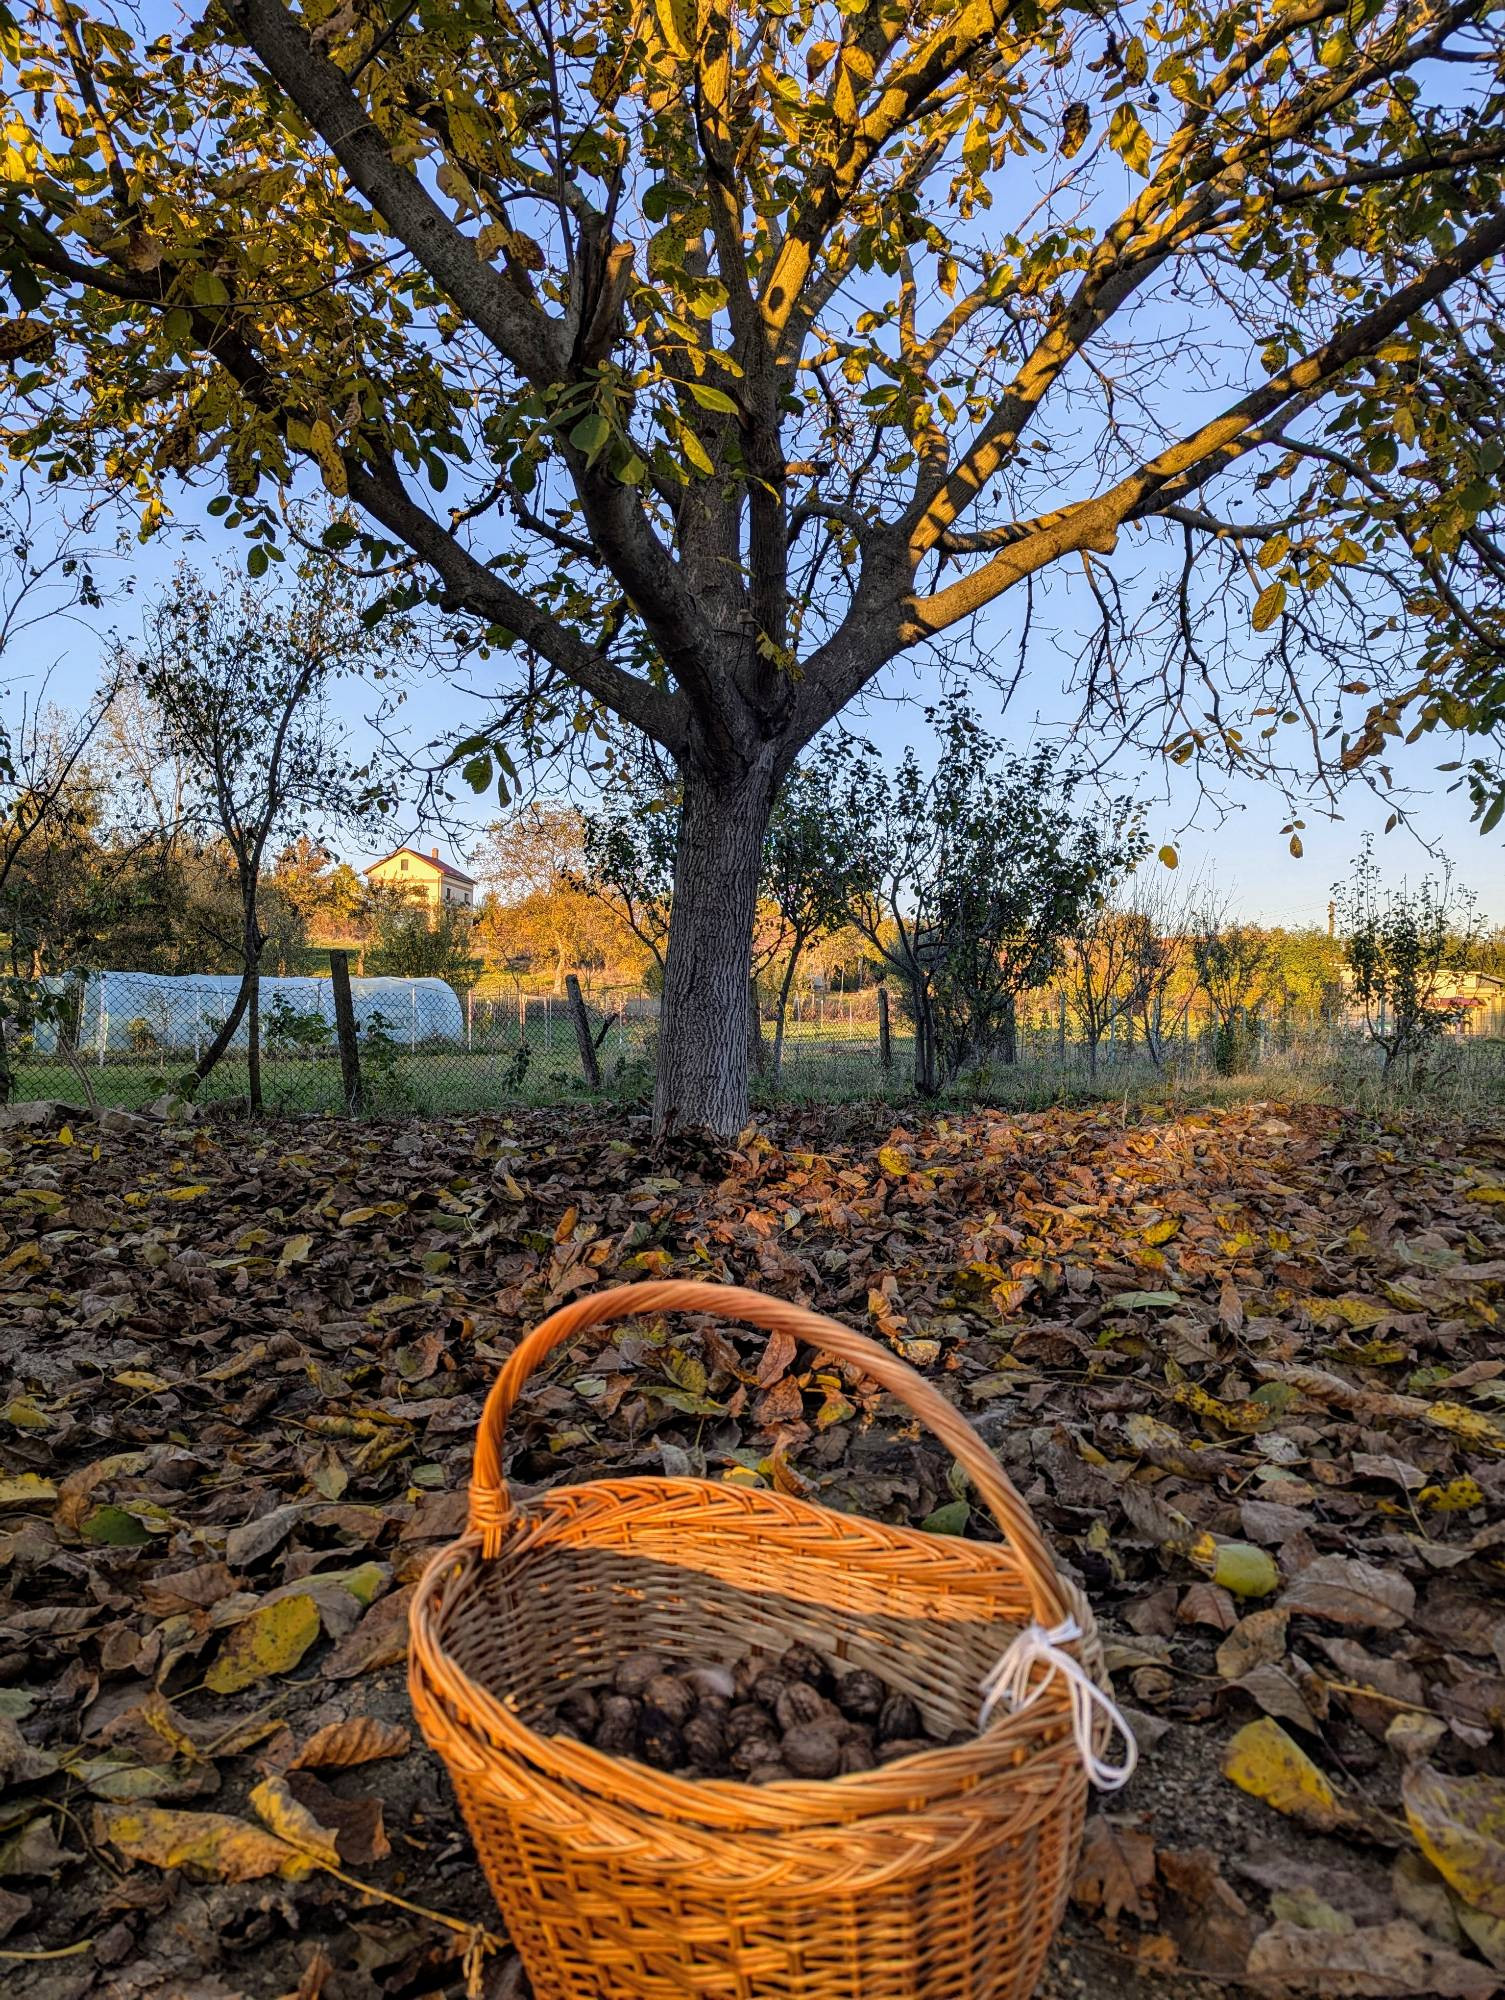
(1010, 1681)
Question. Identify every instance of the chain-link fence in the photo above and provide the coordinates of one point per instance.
(421, 1047)
(128, 1038)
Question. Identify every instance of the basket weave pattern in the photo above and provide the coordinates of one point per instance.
(939, 1877)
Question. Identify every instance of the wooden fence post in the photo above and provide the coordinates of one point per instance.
(885, 1042)
(344, 1028)
(582, 1031)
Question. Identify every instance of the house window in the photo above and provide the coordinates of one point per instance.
(402, 866)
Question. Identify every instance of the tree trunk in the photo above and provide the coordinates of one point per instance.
(253, 1041)
(210, 1058)
(1008, 1030)
(783, 1011)
(703, 1053)
(927, 1076)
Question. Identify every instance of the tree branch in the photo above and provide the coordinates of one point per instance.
(1183, 467)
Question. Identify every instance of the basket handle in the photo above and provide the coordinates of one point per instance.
(490, 1502)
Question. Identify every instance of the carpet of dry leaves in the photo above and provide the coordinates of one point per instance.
(1247, 1366)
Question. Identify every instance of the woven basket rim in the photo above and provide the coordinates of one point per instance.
(1010, 1740)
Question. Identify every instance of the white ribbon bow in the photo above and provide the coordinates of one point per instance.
(1010, 1681)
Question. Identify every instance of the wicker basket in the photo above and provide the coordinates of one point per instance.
(938, 1877)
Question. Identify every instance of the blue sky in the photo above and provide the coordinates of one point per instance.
(1234, 840)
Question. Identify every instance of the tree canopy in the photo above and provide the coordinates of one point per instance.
(708, 357)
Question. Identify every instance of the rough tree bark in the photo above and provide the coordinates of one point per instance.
(703, 1041)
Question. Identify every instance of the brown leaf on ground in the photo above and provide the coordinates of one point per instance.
(1394, 1959)
(224, 1405)
(361, 1739)
(1116, 1872)
(1207, 1917)
(1344, 1591)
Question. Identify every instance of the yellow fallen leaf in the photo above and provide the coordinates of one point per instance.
(190, 1193)
(1263, 1761)
(25, 1413)
(1457, 1497)
(892, 1161)
(1459, 1824)
(1466, 1424)
(1247, 1416)
(142, 1378)
(1162, 1231)
(292, 1821)
(294, 1251)
(1359, 1314)
(1489, 1194)
(354, 1216)
(271, 1641)
(231, 1850)
(25, 1489)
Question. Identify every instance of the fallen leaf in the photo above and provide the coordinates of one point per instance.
(1459, 1824)
(25, 1489)
(291, 1820)
(1263, 1761)
(361, 1739)
(1384, 1960)
(272, 1640)
(230, 1850)
(1116, 1872)
(1206, 1916)
(1345, 1591)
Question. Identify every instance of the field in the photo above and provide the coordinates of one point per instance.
(245, 1364)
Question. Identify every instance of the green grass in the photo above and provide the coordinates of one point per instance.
(1468, 1076)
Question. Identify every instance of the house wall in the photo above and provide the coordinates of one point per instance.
(417, 876)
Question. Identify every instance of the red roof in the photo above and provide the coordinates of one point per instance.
(446, 868)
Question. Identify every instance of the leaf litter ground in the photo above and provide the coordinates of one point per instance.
(1246, 1366)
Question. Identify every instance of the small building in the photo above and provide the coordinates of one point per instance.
(426, 878)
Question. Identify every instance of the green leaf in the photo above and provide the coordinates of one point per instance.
(256, 561)
(114, 1528)
(951, 1519)
(590, 434)
(712, 399)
